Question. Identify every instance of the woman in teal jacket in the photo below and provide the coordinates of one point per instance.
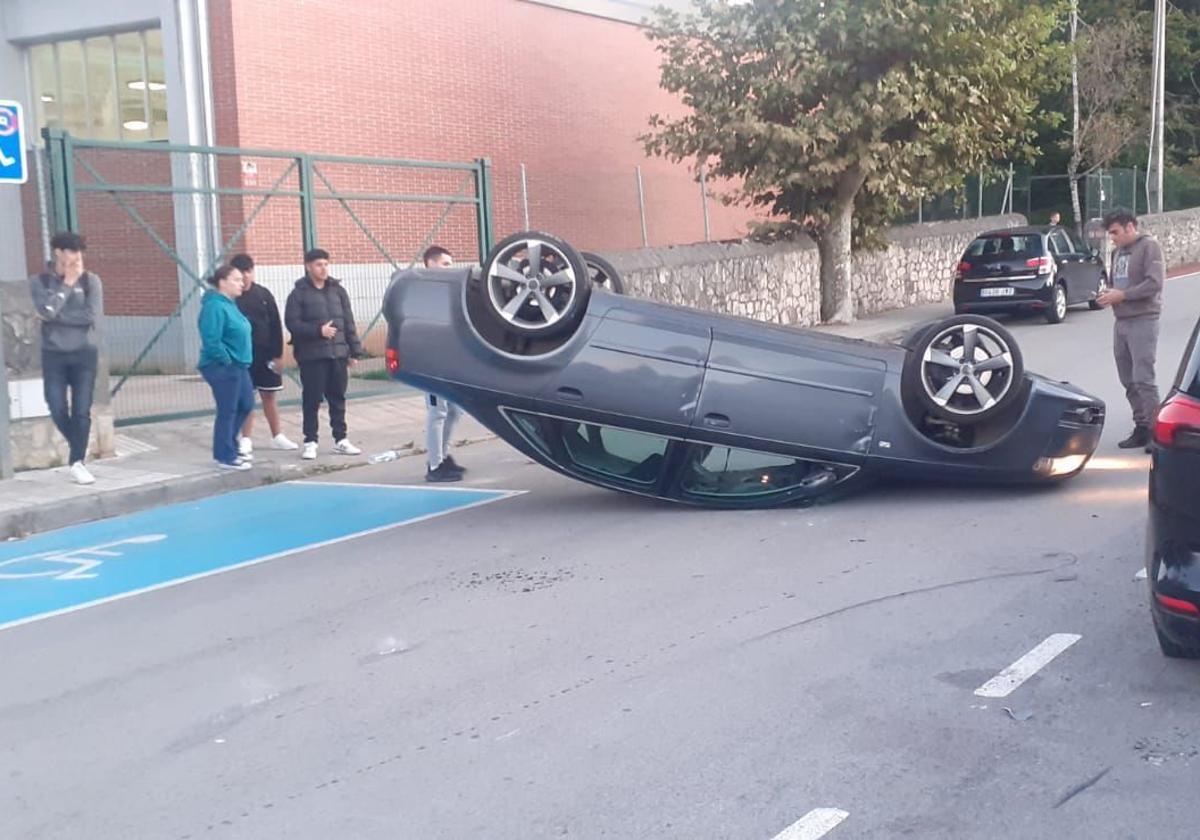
(225, 356)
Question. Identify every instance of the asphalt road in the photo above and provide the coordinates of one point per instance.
(571, 662)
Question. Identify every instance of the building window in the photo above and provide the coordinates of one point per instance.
(110, 87)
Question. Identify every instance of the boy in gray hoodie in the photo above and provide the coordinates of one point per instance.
(68, 300)
(1137, 274)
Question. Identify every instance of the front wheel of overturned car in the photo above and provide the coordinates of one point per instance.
(965, 369)
(603, 273)
(535, 285)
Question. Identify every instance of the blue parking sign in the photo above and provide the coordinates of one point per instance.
(12, 143)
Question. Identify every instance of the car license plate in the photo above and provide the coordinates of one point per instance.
(1004, 291)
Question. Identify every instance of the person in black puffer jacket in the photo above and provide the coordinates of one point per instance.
(325, 344)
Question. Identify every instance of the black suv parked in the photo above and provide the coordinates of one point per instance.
(1173, 538)
(1028, 268)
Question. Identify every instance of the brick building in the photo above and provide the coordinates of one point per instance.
(552, 94)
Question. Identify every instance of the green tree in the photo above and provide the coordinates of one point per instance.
(830, 113)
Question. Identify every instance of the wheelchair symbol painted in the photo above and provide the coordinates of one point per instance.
(69, 564)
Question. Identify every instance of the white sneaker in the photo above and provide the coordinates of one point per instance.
(245, 447)
(237, 466)
(345, 447)
(282, 441)
(80, 474)
(310, 451)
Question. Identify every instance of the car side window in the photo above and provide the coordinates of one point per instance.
(605, 452)
(721, 471)
(1061, 243)
(615, 453)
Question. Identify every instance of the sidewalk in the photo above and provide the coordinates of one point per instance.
(162, 463)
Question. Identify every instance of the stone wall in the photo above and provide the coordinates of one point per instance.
(1178, 233)
(779, 283)
(35, 443)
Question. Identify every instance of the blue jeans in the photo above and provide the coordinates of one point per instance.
(74, 370)
(234, 394)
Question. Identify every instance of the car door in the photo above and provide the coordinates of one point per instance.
(642, 368)
(1074, 267)
(767, 386)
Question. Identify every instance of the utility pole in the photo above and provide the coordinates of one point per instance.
(1154, 174)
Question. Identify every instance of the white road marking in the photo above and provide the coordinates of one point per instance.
(816, 823)
(1011, 678)
(1141, 574)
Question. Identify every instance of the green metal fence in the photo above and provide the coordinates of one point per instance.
(160, 217)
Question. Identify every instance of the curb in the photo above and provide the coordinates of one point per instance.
(39, 518)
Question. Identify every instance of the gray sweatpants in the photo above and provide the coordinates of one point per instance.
(1135, 346)
(440, 417)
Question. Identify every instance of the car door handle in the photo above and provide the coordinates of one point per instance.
(717, 421)
(572, 394)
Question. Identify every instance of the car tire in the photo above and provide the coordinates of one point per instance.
(517, 293)
(1092, 304)
(937, 381)
(604, 275)
(1174, 651)
(1056, 312)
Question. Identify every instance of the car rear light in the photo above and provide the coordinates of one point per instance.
(392, 358)
(1178, 423)
(1044, 265)
(963, 268)
(1176, 605)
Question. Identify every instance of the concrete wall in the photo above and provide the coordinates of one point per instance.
(36, 443)
(779, 283)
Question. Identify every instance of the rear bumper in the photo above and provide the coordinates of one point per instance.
(1173, 570)
(1027, 294)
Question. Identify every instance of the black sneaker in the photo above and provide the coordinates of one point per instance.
(1138, 439)
(442, 473)
(449, 462)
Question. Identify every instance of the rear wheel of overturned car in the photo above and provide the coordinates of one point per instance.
(603, 273)
(966, 369)
(1056, 312)
(535, 285)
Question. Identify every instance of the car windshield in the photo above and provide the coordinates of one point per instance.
(1006, 245)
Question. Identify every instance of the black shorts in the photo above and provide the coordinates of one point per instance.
(263, 377)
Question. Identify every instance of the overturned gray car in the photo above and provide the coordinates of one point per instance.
(716, 410)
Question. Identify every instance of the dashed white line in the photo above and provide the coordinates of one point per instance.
(1141, 574)
(1008, 680)
(816, 823)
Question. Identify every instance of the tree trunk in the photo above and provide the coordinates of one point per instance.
(837, 300)
(1076, 146)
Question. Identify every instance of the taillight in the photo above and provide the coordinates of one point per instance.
(392, 357)
(963, 268)
(1176, 605)
(1044, 265)
(1178, 423)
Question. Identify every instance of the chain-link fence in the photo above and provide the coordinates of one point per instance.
(652, 205)
(1037, 196)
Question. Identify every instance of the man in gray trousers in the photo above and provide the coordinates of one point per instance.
(1137, 274)
(440, 415)
(68, 300)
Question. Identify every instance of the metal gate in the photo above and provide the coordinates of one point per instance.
(159, 218)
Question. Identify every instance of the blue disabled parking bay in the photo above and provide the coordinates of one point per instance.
(89, 564)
